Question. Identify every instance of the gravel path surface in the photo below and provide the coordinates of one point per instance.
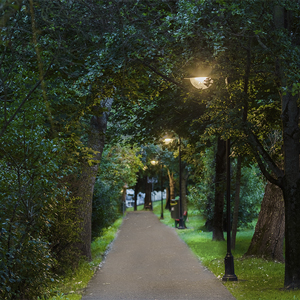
(149, 261)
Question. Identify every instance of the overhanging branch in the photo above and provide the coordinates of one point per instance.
(259, 151)
(161, 74)
(24, 100)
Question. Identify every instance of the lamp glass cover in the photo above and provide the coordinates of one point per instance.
(200, 82)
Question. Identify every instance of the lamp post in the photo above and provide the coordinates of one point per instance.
(155, 162)
(161, 194)
(181, 222)
(228, 260)
(199, 83)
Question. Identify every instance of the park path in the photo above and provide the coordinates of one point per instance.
(149, 261)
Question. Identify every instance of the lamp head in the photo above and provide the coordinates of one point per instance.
(168, 140)
(200, 82)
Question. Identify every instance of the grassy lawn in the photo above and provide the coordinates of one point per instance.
(257, 278)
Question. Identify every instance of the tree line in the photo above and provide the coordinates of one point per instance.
(76, 75)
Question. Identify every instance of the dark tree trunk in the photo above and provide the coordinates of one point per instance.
(168, 204)
(124, 193)
(172, 185)
(219, 191)
(86, 181)
(268, 237)
(291, 180)
(185, 175)
(138, 185)
(136, 190)
(291, 190)
(148, 188)
(236, 201)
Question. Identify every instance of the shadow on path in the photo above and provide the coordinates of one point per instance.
(149, 261)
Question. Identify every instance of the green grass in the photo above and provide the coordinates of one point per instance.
(72, 285)
(257, 278)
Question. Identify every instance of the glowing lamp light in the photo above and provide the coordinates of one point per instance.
(200, 82)
(168, 140)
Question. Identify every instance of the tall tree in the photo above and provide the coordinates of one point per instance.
(86, 182)
(270, 224)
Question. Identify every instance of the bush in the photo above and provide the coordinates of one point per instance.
(106, 203)
(37, 221)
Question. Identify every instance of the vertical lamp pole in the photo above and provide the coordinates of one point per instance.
(202, 83)
(228, 260)
(161, 194)
(181, 223)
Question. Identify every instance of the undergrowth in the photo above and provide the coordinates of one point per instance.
(71, 286)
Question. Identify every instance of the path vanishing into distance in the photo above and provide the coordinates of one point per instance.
(147, 261)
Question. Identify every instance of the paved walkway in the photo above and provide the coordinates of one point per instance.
(149, 261)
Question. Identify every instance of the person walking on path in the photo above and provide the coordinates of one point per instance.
(148, 261)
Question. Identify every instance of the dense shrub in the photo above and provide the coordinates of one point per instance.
(106, 204)
(118, 168)
(38, 224)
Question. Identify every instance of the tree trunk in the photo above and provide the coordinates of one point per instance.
(148, 202)
(86, 181)
(291, 190)
(124, 194)
(291, 180)
(138, 185)
(268, 237)
(185, 175)
(136, 190)
(172, 185)
(219, 191)
(236, 201)
(168, 205)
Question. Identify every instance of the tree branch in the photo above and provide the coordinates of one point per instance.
(258, 150)
(161, 74)
(24, 100)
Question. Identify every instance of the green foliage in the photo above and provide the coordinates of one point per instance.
(31, 216)
(201, 193)
(71, 286)
(38, 224)
(106, 207)
(118, 167)
(251, 195)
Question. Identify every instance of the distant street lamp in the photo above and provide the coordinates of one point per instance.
(204, 83)
(155, 162)
(161, 194)
(181, 222)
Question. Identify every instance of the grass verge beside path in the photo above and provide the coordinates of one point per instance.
(258, 279)
(72, 285)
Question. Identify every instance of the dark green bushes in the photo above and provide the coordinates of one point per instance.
(37, 216)
(106, 204)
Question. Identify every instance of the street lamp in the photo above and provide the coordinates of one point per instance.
(155, 162)
(181, 222)
(199, 83)
(161, 194)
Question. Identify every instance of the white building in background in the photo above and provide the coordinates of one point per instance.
(155, 196)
